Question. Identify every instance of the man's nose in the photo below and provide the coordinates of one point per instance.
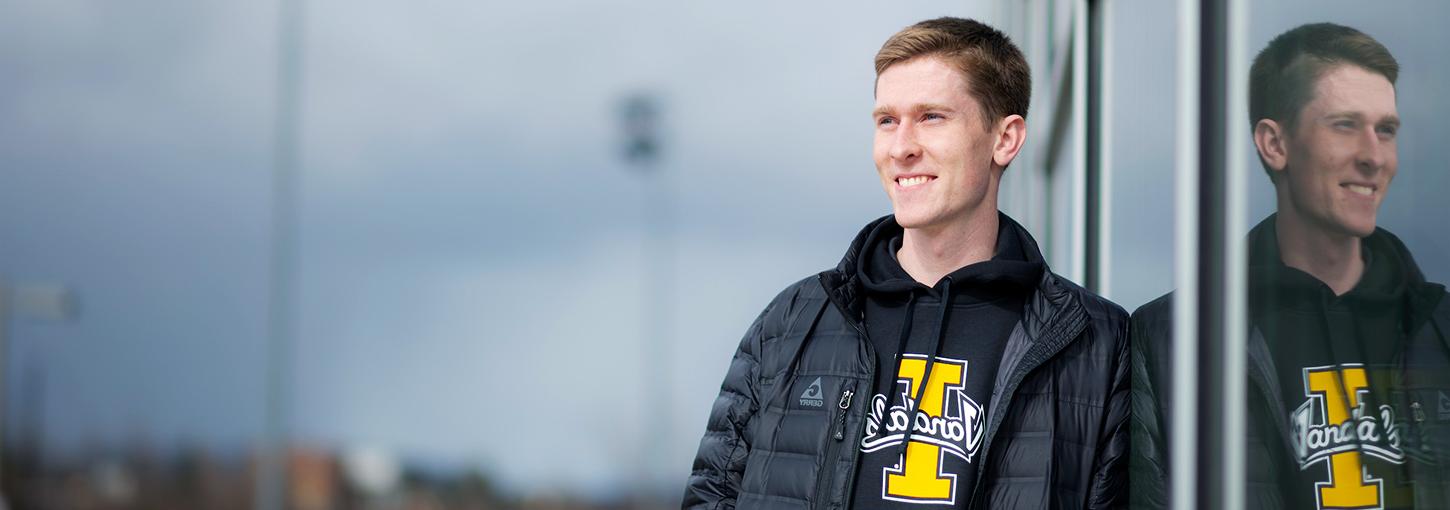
(904, 146)
(1373, 152)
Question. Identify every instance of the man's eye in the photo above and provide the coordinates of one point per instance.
(1388, 131)
(885, 121)
(1346, 124)
(933, 116)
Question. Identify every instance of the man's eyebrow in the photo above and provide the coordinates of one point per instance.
(921, 107)
(934, 107)
(1393, 120)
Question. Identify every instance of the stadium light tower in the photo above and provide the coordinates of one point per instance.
(640, 122)
(34, 302)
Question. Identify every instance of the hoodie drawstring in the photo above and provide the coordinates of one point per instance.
(901, 343)
(1338, 365)
(914, 403)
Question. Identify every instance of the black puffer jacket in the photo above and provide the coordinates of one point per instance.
(1056, 433)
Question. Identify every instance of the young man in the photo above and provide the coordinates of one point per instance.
(941, 362)
(1347, 354)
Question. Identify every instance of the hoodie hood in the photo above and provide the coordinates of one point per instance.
(1015, 265)
(1391, 279)
(1011, 268)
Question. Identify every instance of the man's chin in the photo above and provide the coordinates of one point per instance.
(929, 219)
(1363, 232)
(1358, 228)
(908, 219)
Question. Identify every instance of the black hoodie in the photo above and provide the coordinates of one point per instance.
(1309, 443)
(956, 347)
(1340, 363)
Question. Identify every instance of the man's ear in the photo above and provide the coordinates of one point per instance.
(1272, 142)
(1011, 132)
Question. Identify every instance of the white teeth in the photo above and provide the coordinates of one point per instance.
(912, 181)
(1363, 190)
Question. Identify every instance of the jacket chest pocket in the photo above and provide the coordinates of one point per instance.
(806, 410)
(803, 436)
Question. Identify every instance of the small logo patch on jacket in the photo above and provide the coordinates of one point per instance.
(812, 397)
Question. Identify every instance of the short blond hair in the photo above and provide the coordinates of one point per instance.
(997, 73)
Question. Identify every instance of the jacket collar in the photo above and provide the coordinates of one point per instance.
(1052, 312)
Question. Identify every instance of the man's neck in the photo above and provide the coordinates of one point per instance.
(929, 254)
(1332, 258)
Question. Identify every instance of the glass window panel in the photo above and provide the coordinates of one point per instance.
(1348, 399)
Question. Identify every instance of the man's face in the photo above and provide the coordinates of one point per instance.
(932, 151)
(1342, 155)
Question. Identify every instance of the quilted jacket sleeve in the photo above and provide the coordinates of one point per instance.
(1110, 471)
(715, 475)
(1151, 332)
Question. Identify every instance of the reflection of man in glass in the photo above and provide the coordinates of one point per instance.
(941, 363)
(1349, 393)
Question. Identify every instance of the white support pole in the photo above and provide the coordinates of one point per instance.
(1077, 225)
(1105, 152)
(1182, 473)
(1236, 256)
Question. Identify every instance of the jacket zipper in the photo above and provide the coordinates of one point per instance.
(1002, 406)
(870, 378)
(833, 449)
(843, 405)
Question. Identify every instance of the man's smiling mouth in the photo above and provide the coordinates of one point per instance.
(1359, 189)
(907, 182)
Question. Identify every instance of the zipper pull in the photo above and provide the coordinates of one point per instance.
(843, 405)
(1417, 412)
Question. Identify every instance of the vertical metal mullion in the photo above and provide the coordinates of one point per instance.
(1235, 255)
(1012, 194)
(1213, 349)
(1097, 215)
(1077, 227)
(1184, 418)
(1039, 30)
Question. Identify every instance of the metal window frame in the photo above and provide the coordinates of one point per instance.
(1098, 217)
(1062, 60)
(1210, 309)
(1210, 193)
(1182, 469)
(1236, 227)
